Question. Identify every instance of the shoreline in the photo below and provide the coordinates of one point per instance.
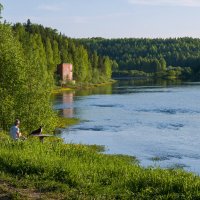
(74, 171)
(80, 86)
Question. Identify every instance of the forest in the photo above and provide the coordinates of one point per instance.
(56, 48)
(29, 55)
(172, 56)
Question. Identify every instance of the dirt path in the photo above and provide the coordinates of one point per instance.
(8, 191)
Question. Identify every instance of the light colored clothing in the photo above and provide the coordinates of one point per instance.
(13, 132)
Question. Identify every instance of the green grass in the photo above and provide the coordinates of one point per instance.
(83, 85)
(66, 122)
(72, 171)
(61, 89)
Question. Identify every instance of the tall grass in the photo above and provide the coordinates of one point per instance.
(80, 172)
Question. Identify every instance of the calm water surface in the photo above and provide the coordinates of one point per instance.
(159, 123)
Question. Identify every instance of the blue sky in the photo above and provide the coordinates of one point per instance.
(110, 18)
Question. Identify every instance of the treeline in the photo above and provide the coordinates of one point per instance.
(56, 48)
(25, 83)
(29, 55)
(149, 55)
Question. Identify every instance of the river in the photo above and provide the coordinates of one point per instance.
(158, 122)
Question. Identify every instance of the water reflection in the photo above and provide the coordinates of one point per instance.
(63, 103)
(107, 89)
(68, 98)
(148, 82)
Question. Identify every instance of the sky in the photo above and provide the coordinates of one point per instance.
(109, 18)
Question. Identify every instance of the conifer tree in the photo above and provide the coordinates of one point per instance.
(56, 53)
(107, 67)
(1, 8)
(49, 55)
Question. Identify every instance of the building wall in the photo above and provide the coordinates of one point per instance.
(65, 71)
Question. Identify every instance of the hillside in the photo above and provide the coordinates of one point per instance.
(149, 55)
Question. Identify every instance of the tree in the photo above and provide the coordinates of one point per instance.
(64, 51)
(49, 55)
(107, 67)
(25, 84)
(94, 60)
(81, 65)
(12, 76)
(56, 53)
(1, 8)
(115, 65)
(163, 64)
(28, 25)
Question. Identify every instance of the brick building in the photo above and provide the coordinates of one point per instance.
(64, 70)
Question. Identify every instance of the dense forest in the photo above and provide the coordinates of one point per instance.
(56, 48)
(173, 55)
(29, 55)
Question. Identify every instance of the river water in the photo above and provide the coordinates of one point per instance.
(158, 122)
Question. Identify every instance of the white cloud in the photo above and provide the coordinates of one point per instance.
(53, 8)
(187, 3)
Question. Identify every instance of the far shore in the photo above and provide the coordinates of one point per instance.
(78, 86)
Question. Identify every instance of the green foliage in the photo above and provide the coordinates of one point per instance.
(55, 48)
(29, 55)
(131, 73)
(175, 72)
(78, 171)
(56, 53)
(107, 67)
(49, 55)
(149, 55)
(12, 76)
(1, 8)
(81, 65)
(25, 85)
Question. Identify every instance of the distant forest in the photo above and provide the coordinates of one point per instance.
(178, 55)
(56, 48)
(96, 59)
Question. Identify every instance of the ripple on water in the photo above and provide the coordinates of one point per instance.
(166, 157)
(169, 111)
(108, 105)
(171, 126)
(95, 128)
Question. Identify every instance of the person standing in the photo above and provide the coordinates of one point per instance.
(14, 130)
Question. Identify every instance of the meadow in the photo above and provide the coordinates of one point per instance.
(73, 171)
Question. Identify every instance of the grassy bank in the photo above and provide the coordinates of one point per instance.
(70, 87)
(68, 171)
(66, 122)
(61, 89)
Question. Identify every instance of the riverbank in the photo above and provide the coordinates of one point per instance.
(78, 86)
(54, 170)
(66, 122)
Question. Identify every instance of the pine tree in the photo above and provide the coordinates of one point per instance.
(56, 53)
(107, 67)
(1, 8)
(49, 55)
(81, 64)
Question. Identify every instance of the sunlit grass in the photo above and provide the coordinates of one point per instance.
(79, 171)
(66, 122)
(61, 89)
